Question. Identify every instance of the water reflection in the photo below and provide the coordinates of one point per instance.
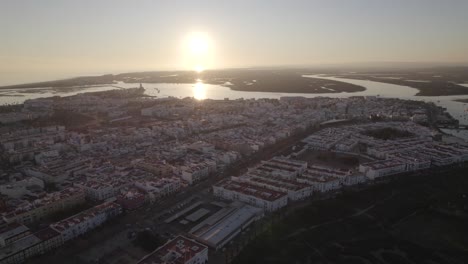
(456, 109)
(199, 90)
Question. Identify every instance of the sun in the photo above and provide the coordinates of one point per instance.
(198, 50)
(199, 44)
(199, 68)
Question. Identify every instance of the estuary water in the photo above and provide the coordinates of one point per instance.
(200, 90)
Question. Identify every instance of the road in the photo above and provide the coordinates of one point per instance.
(150, 216)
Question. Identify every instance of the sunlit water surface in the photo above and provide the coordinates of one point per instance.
(200, 90)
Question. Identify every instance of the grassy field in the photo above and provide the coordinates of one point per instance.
(332, 159)
(412, 219)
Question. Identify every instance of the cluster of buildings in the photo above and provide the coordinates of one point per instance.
(29, 212)
(275, 182)
(13, 117)
(146, 149)
(220, 228)
(18, 243)
(179, 250)
(25, 144)
(416, 150)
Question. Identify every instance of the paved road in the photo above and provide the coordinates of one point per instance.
(150, 216)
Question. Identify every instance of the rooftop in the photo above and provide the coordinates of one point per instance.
(217, 233)
(177, 251)
(253, 190)
(83, 216)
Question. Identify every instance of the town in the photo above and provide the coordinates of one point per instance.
(194, 173)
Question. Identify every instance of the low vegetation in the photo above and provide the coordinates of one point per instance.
(388, 133)
(408, 220)
(148, 241)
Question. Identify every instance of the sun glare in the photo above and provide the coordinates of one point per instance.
(199, 44)
(198, 68)
(198, 50)
(199, 90)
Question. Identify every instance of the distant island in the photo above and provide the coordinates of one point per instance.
(440, 81)
(282, 81)
(461, 100)
(429, 82)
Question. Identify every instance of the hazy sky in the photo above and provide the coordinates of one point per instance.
(42, 39)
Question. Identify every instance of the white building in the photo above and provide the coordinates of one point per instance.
(41, 208)
(268, 200)
(157, 188)
(320, 182)
(220, 228)
(85, 221)
(180, 250)
(97, 191)
(295, 190)
(413, 160)
(298, 165)
(355, 179)
(382, 168)
(13, 232)
(17, 189)
(195, 172)
(29, 246)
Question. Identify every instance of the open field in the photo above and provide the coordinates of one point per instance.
(413, 219)
(332, 159)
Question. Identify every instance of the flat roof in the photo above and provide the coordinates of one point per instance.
(19, 245)
(217, 233)
(46, 233)
(326, 170)
(197, 214)
(83, 216)
(383, 164)
(252, 190)
(318, 178)
(286, 184)
(177, 251)
(12, 230)
(289, 162)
